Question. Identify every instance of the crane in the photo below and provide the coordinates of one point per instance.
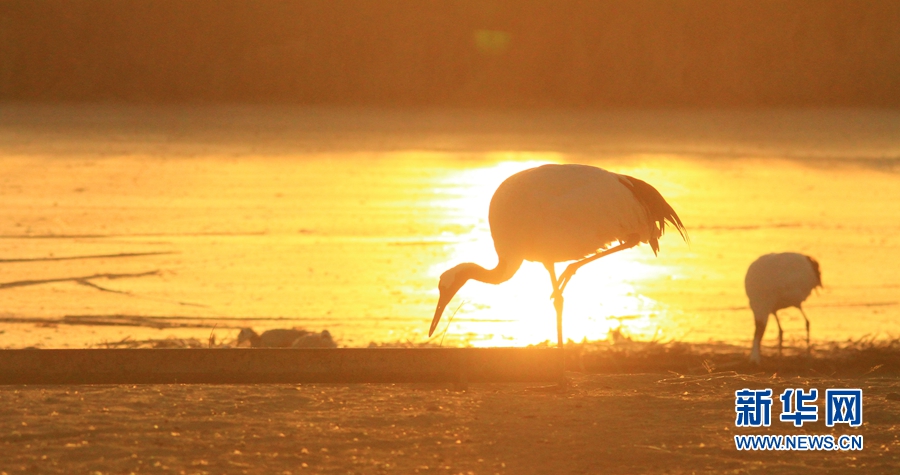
(775, 282)
(561, 213)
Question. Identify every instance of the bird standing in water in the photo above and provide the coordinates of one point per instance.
(777, 281)
(561, 213)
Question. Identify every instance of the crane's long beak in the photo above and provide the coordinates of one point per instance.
(442, 303)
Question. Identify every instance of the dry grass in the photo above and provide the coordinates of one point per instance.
(621, 355)
(866, 356)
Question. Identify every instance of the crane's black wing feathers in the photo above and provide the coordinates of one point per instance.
(658, 209)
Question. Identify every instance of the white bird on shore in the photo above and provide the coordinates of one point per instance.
(277, 338)
(559, 213)
(777, 281)
(315, 340)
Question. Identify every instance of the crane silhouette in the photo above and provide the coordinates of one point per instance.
(560, 213)
(775, 282)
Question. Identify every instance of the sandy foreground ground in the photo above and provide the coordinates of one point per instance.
(643, 423)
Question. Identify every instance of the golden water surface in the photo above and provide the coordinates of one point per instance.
(345, 220)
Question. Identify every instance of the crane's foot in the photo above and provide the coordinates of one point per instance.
(460, 386)
(755, 357)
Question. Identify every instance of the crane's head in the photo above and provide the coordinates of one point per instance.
(248, 337)
(451, 281)
(817, 270)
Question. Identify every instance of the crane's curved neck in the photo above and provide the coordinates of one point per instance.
(453, 279)
(501, 273)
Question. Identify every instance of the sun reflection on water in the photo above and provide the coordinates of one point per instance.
(602, 297)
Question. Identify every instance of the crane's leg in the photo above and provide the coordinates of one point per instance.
(780, 332)
(557, 302)
(558, 305)
(757, 339)
(807, 327)
(553, 280)
(573, 267)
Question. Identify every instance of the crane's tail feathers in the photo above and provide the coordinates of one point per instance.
(658, 209)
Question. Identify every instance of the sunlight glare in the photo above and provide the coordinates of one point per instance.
(602, 296)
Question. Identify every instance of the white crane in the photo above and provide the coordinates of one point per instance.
(777, 281)
(559, 213)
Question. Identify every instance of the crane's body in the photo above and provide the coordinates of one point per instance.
(775, 282)
(560, 213)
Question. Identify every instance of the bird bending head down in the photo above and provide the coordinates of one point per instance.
(454, 278)
(450, 283)
(559, 213)
(777, 281)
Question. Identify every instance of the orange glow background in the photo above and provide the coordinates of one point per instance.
(271, 225)
(320, 163)
(495, 53)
